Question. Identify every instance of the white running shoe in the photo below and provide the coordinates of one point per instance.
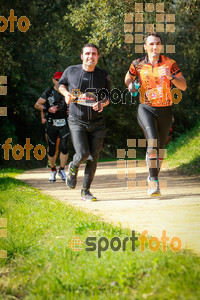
(52, 177)
(62, 174)
(153, 188)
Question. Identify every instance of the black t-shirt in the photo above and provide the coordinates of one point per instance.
(52, 98)
(75, 78)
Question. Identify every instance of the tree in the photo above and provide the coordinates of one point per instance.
(104, 23)
(29, 60)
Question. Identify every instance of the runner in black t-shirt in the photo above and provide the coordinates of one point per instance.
(53, 103)
(85, 117)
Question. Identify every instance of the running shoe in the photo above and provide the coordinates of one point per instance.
(153, 187)
(52, 177)
(87, 196)
(71, 179)
(62, 174)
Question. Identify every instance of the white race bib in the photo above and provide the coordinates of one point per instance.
(59, 122)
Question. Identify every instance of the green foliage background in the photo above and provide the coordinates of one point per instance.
(58, 30)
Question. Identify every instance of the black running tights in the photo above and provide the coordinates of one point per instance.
(155, 123)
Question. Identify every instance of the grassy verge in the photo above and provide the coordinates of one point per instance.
(183, 153)
(41, 265)
(10, 172)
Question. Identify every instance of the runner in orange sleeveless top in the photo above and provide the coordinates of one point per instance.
(156, 75)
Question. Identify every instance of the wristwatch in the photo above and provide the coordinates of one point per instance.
(173, 77)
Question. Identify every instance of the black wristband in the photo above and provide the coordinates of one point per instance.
(173, 77)
(45, 109)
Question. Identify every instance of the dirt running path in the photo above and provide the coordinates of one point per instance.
(177, 211)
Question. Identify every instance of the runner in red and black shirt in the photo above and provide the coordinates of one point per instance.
(156, 75)
(52, 103)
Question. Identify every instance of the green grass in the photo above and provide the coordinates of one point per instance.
(11, 172)
(41, 265)
(183, 153)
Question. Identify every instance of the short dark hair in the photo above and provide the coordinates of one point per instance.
(90, 45)
(152, 34)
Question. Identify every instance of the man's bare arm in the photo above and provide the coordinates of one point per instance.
(129, 79)
(68, 96)
(179, 81)
(43, 119)
(39, 104)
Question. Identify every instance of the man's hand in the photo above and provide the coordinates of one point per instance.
(179, 81)
(69, 97)
(164, 71)
(43, 120)
(53, 109)
(98, 106)
(131, 88)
